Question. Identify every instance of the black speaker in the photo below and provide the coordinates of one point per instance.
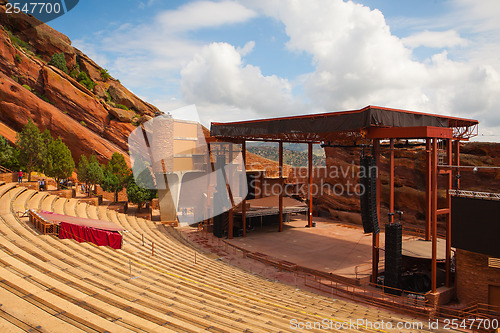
(220, 221)
(368, 199)
(393, 257)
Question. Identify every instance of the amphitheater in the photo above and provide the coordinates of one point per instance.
(53, 285)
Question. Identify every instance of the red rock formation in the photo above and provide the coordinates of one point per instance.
(86, 120)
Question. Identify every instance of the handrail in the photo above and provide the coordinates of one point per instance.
(5, 170)
(407, 301)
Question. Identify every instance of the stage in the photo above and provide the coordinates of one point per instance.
(330, 247)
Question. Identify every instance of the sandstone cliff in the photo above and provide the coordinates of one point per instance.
(88, 119)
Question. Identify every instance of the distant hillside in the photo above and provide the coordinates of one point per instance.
(290, 157)
(300, 147)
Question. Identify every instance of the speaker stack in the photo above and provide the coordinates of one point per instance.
(220, 199)
(220, 221)
(368, 200)
(393, 257)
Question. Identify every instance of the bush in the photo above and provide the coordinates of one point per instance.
(15, 78)
(42, 97)
(74, 74)
(18, 58)
(27, 87)
(59, 61)
(105, 74)
(19, 44)
(83, 123)
(86, 81)
(121, 106)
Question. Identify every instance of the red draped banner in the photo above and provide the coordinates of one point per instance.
(87, 234)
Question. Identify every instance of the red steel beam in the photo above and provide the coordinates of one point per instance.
(428, 185)
(281, 185)
(243, 203)
(449, 154)
(391, 182)
(434, 216)
(310, 170)
(457, 162)
(418, 132)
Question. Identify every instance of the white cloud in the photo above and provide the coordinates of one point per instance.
(359, 62)
(246, 49)
(203, 14)
(435, 39)
(217, 77)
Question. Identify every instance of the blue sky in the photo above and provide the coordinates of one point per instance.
(258, 58)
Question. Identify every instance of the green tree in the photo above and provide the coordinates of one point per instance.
(81, 170)
(8, 155)
(30, 145)
(139, 195)
(59, 61)
(59, 162)
(118, 167)
(94, 174)
(47, 139)
(110, 183)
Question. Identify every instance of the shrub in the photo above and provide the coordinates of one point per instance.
(15, 78)
(27, 87)
(86, 81)
(73, 73)
(59, 61)
(121, 106)
(18, 58)
(83, 123)
(105, 74)
(42, 97)
(18, 43)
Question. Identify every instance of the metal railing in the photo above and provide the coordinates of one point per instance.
(5, 170)
(475, 194)
(399, 300)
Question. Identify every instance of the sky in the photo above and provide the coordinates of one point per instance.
(248, 59)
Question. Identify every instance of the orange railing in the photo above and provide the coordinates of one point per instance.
(399, 300)
(476, 317)
(5, 170)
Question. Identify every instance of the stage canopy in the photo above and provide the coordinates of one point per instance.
(338, 125)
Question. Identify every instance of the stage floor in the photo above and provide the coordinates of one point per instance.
(330, 247)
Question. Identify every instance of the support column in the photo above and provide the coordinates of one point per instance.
(391, 182)
(376, 237)
(281, 184)
(449, 186)
(457, 163)
(310, 181)
(244, 202)
(428, 185)
(434, 200)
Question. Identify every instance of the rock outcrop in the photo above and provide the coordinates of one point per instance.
(84, 115)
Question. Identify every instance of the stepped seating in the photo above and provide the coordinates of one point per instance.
(54, 285)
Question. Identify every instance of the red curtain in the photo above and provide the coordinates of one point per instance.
(87, 234)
